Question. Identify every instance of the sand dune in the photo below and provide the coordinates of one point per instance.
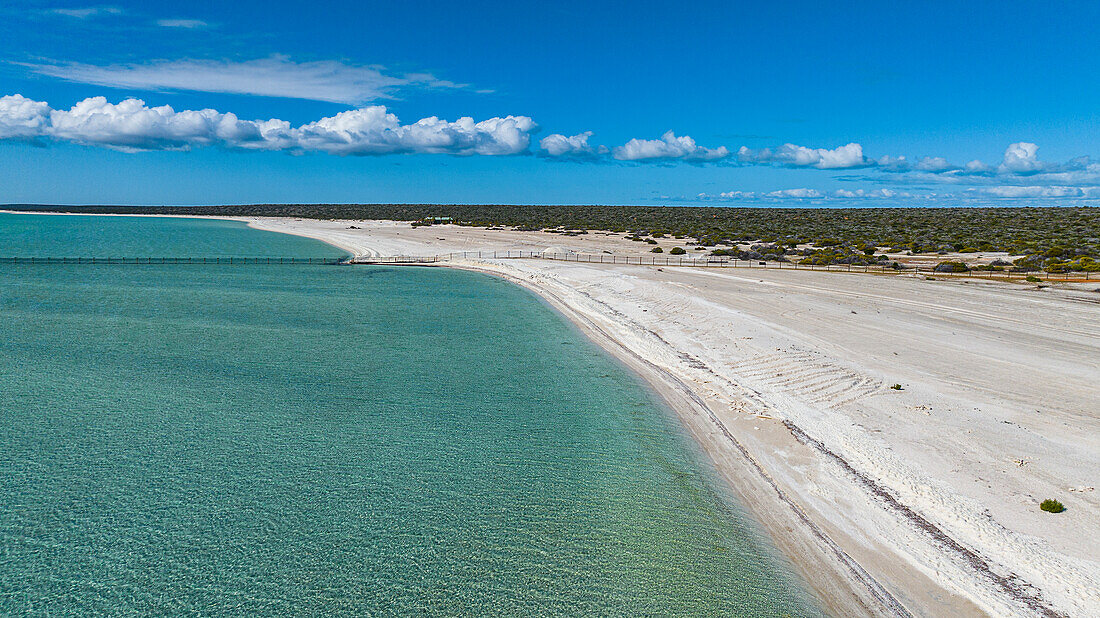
(921, 500)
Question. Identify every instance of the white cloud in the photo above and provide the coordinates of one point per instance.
(842, 157)
(804, 194)
(870, 194)
(277, 76)
(1031, 192)
(131, 126)
(934, 164)
(576, 146)
(731, 195)
(87, 12)
(182, 23)
(22, 118)
(373, 130)
(1021, 157)
(668, 147)
(975, 195)
(977, 167)
(888, 163)
(796, 193)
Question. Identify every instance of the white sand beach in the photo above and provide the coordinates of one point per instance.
(923, 500)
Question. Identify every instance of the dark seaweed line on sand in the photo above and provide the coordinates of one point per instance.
(1009, 584)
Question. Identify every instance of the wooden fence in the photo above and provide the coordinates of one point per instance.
(637, 260)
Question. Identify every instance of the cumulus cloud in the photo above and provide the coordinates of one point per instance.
(571, 147)
(373, 130)
(1021, 158)
(276, 76)
(131, 125)
(22, 118)
(668, 147)
(977, 167)
(182, 23)
(843, 157)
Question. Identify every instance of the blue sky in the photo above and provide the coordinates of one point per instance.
(803, 103)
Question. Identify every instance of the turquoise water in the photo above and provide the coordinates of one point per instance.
(78, 236)
(318, 440)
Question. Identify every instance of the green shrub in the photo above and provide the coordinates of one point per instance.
(951, 267)
(1032, 279)
(897, 387)
(656, 250)
(1052, 506)
(677, 251)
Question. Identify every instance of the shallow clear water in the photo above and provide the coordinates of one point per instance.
(23, 235)
(278, 440)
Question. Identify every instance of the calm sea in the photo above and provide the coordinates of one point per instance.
(319, 440)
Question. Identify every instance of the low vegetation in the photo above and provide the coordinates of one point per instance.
(1052, 506)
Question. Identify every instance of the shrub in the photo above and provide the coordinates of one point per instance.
(677, 251)
(656, 250)
(951, 267)
(1032, 279)
(1052, 506)
(897, 387)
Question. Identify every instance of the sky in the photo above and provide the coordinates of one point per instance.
(701, 103)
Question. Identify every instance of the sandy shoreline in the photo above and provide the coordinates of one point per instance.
(921, 500)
